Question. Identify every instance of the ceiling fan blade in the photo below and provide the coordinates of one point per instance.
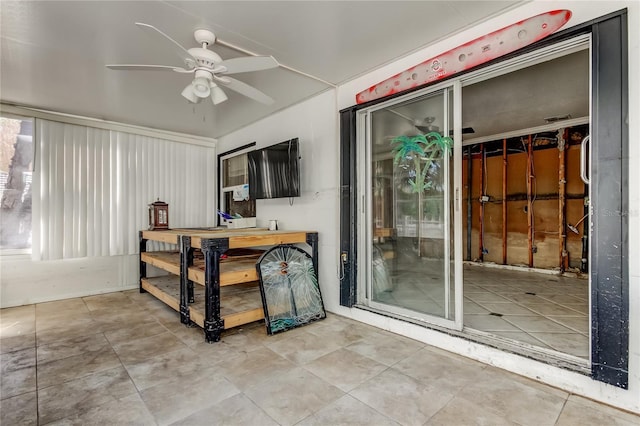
(132, 67)
(244, 89)
(183, 53)
(248, 64)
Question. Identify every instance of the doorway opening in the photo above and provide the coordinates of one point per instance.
(488, 236)
(526, 200)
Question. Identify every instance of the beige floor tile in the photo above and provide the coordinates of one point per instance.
(582, 308)
(293, 395)
(130, 410)
(70, 306)
(124, 318)
(17, 360)
(108, 301)
(547, 309)
(341, 332)
(302, 348)
(440, 369)
(386, 348)
(461, 412)
(536, 324)
(19, 410)
(66, 320)
(508, 308)
(572, 344)
(63, 330)
(345, 369)
(579, 324)
(54, 314)
(347, 411)
(473, 308)
(17, 382)
(487, 297)
(562, 298)
(134, 332)
(163, 368)
(71, 347)
(246, 369)
(18, 321)
(402, 398)
(186, 395)
(516, 399)
(522, 337)
(247, 339)
(77, 366)
(81, 395)
(189, 335)
(582, 411)
(142, 349)
(17, 372)
(16, 343)
(488, 323)
(236, 410)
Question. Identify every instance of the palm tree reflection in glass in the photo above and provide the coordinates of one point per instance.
(421, 155)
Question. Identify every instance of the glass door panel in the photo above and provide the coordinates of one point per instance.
(412, 242)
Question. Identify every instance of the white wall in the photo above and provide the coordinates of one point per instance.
(315, 123)
(25, 281)
(573, 382)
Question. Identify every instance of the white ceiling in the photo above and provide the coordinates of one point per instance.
(54, 52)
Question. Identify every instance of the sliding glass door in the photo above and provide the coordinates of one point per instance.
(410, 205)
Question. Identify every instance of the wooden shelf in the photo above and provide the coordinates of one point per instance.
(232, 271)
(240, 304)
(162, 289)
(166, 260)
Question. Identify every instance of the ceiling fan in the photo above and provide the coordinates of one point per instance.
(427, 127)
(209, 69)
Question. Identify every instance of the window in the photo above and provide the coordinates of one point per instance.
(16, 165)
(234, 183)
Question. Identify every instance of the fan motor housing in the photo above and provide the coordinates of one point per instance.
(205, 57)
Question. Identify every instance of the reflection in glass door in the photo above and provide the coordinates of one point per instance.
(411, 214)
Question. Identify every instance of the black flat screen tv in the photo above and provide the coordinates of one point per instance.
(274, 171)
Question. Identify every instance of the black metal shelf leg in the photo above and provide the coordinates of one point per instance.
(143, 265)
(186, 286)
(213, 323)
(312, 240)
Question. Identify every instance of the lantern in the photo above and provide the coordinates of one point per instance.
(158, 215)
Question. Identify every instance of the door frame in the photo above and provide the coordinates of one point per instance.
(609, 180)
(452, 95)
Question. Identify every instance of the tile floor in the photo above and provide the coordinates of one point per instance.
(124, 358)
(546, 311)
(542, 310)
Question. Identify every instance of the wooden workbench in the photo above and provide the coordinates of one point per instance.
(227, 294)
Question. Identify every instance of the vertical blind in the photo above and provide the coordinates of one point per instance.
(92, 187)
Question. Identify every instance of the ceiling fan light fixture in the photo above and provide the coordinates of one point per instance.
(201, 87)
(189, 94)
(217, 94)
